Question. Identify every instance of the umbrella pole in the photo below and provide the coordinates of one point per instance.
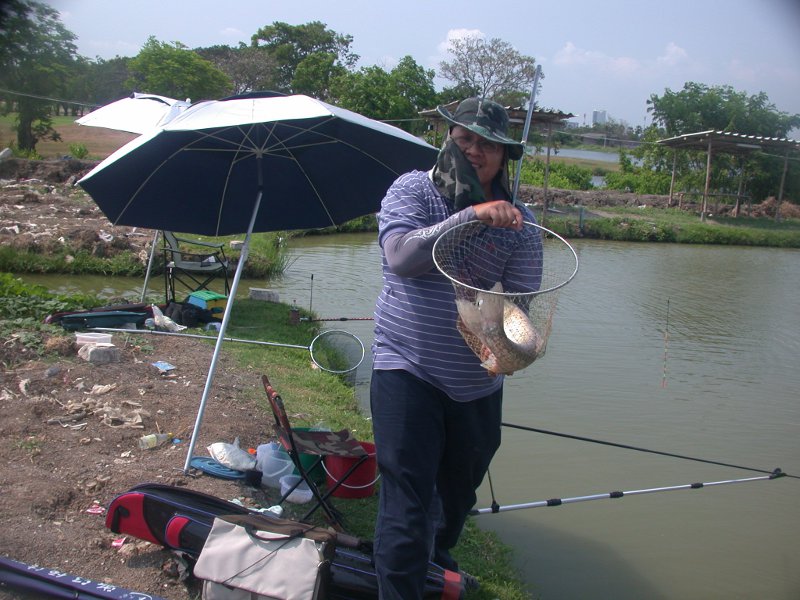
(221, 336)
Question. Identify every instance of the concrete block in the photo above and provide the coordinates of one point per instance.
(99, 354)
(264, 294)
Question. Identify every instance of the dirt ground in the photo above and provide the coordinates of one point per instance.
(69, 428)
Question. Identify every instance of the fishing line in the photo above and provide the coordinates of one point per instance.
(639, 449)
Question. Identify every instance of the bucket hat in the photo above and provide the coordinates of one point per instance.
(487, 119)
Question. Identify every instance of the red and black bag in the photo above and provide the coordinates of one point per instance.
(181, 519)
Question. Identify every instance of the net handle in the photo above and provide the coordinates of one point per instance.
(543, 230)
(329, 332)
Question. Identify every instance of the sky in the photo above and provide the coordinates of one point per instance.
(608, 56)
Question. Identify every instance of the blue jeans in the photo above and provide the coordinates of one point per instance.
(433, 453)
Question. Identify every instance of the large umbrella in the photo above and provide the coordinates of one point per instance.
(253, 163)
(138, 113)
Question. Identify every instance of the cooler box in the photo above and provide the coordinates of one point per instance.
(209, 301)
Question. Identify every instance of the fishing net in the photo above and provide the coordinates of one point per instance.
(517, 273)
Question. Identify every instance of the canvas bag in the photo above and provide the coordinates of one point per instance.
(241, 560)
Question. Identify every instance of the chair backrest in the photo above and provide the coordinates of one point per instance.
(320, 443)
(171, 241)
(282, 426)
(203, 258)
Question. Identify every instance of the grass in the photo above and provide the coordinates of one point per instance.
(672, 225)
(100, 142)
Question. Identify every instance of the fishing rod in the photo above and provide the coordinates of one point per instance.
(639, 449)
(525, 129)
(496, 508)
(337, 319)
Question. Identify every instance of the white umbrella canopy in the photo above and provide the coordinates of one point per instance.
(207, 170)
(138, 113)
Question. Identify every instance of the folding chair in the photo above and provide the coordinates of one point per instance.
(317, 443)
(194, 269)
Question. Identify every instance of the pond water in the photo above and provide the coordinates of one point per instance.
(690, 350)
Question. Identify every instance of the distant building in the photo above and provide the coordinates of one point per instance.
(599, 117)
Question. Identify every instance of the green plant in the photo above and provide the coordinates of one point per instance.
(31, 154)
(31, 444)
(563, 176)
(78, 150)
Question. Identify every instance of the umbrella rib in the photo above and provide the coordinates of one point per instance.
(243, 151)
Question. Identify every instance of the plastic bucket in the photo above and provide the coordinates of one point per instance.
(274, 463)
(301, 494)
(361, 482)
(308, 460)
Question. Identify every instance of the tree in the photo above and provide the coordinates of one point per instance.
(698, 107)
(106, 80)
(249, 68)
(494, 69)
(36, 52)
(290, 45)
(174, 70)
(397, 95)
(314, 74)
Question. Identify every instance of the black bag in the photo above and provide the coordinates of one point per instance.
(181, 519)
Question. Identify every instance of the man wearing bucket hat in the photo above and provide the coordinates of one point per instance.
(436, 412)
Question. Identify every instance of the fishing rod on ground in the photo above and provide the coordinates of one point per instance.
(495, 507)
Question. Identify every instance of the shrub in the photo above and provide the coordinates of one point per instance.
(78, 150)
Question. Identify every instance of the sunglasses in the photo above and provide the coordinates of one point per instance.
(465, 142)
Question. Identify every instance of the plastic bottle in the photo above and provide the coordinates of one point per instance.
(154, 439)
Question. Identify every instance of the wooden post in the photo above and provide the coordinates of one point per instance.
(738, 206)
(708, 181)
(672, 181)
(780, 190)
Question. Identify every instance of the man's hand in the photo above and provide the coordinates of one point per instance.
(499, 213)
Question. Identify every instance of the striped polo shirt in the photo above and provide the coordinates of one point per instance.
(415, 317)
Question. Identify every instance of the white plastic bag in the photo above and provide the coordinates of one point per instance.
(232, 456)
(164, 322)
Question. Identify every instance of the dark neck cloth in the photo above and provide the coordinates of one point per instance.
(456, 179)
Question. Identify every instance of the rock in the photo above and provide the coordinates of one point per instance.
(264, 294)
(52, 371)
(99, 354)
(5, 153)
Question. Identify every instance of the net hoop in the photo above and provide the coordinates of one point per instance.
(457, 230)
(317, 344)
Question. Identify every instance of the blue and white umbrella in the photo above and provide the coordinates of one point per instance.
(310, 165)
(253, 163)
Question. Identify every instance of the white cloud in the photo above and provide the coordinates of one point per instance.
(673, 56)
(458, 34)
(572, 55)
